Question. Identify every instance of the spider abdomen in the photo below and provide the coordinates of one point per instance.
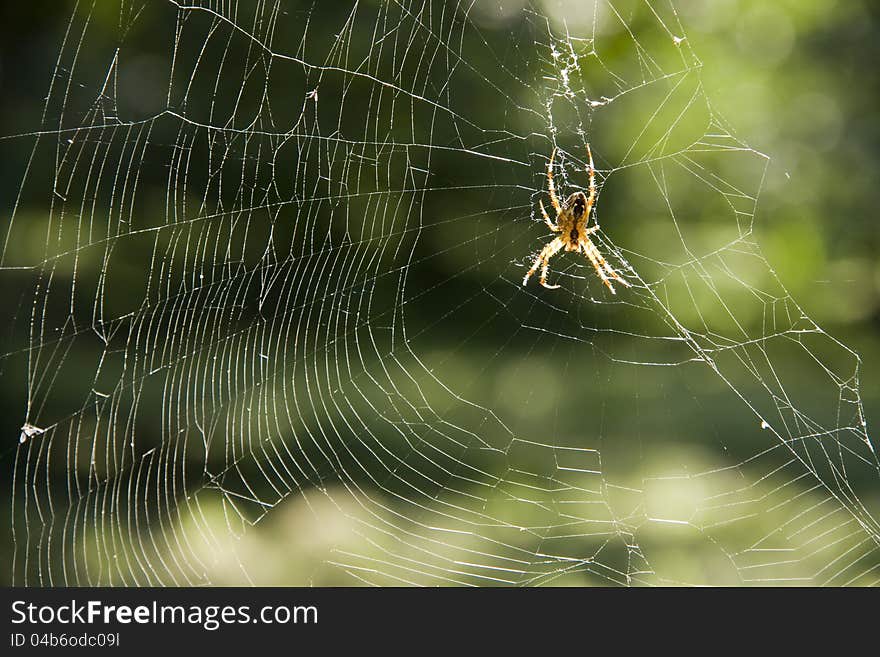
(578, 204)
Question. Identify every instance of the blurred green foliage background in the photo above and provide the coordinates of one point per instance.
(794, 80)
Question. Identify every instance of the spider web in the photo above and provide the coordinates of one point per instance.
(270, 320)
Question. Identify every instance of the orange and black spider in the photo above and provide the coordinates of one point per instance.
(572, 218)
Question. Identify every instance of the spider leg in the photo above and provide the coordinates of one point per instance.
(589, 249)
(547, 221)
(546, 266)
(543, 261)
(592, 198)
(551, 187)
(601, 265)
(611, 272)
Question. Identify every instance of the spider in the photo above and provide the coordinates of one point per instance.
(572, 217)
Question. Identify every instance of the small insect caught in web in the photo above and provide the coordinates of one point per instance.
(572, 217)
(29, 431)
